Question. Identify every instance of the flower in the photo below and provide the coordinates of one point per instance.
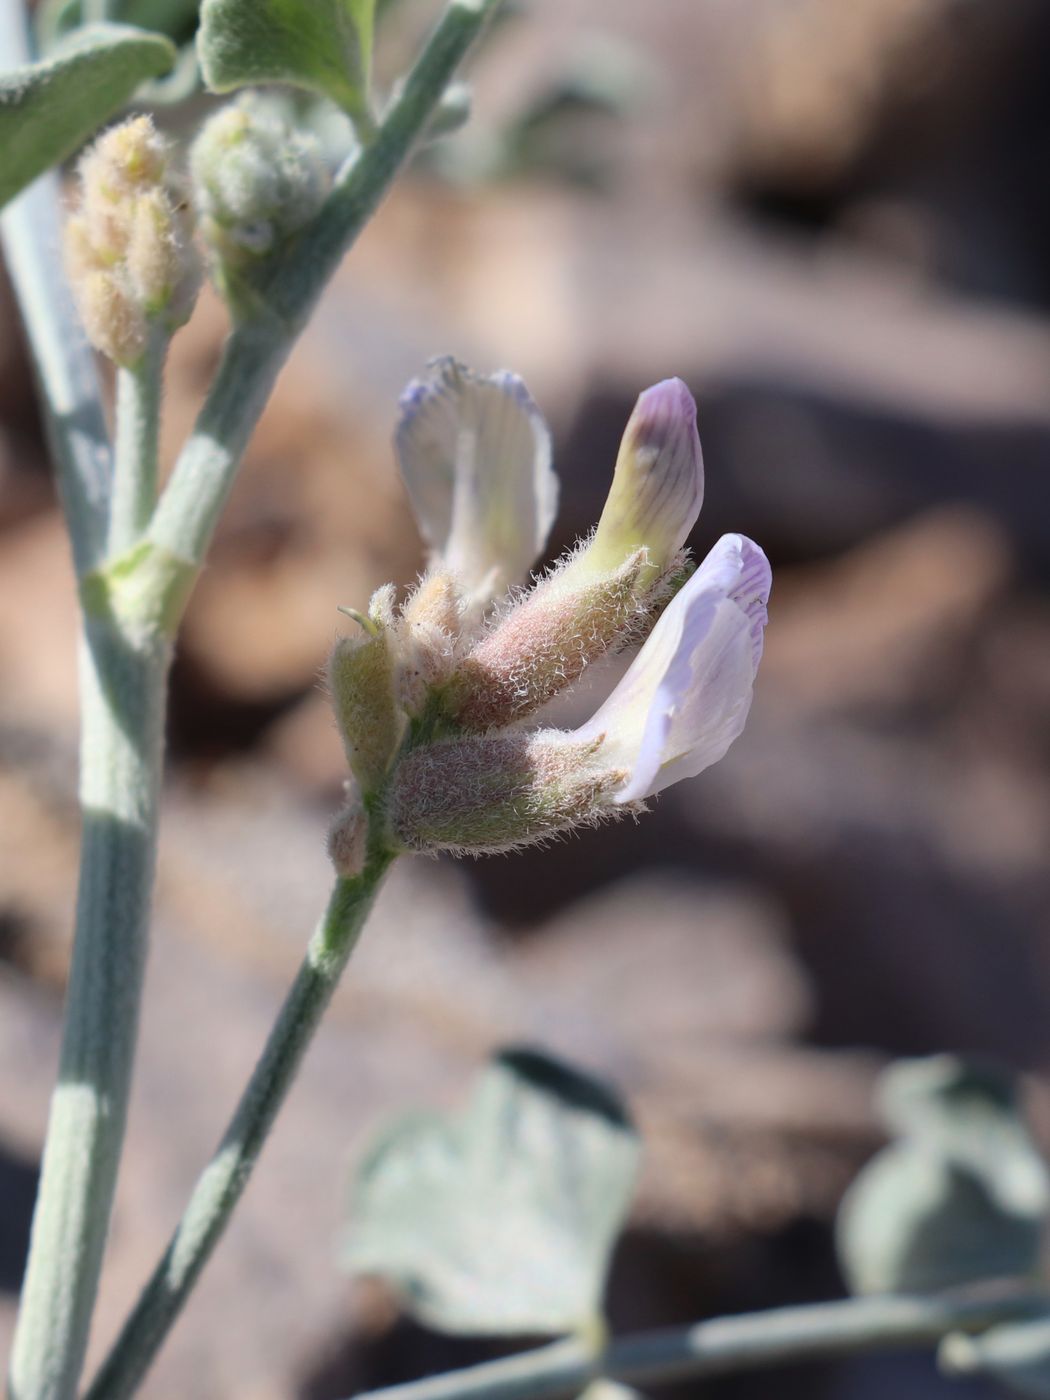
(687, 694)
(435, 733)
(475, 455)
(604, 594)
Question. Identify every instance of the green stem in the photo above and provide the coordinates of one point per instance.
(123, 684)
(124, 692)
(727, 1344)
(191, 503)
(137, 446)
(220, 1186)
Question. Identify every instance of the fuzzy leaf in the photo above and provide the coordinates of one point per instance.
(960, 1196)
(501, 1220)
(49, 108)
(322, 45)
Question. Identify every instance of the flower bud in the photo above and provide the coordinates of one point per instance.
(361, 682)
(428, 639)
(129, 249)
(114, 322)
(256, 182)
(478, 796)
(657, 488)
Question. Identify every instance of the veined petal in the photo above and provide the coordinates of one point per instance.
(475, 455)
(658, 485)
(687, 694)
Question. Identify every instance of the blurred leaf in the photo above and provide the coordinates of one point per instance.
(452, 112)
(962, 1194)
(49, 108)
(501, 1220)
(322, 45)
(179, 85)
(175, 18)
(1016, 1355)
(572, 127)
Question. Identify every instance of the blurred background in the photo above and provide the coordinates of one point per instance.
(833, 221)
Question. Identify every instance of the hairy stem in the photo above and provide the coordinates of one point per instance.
(221, 1184)
(136, 449)
(727, 1344)
(123, 684)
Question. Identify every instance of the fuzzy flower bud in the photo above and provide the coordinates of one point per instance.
(657, 488)
(256, 182)
(428, 638)
(546, 641)
(129, 249)
(687, 694)
(361, 682)
(496, 793)
(475, 456)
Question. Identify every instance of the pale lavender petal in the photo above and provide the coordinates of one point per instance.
(475, 455)
(687, 694)
(658, 485)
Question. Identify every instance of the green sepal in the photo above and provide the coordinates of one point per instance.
(48, 109)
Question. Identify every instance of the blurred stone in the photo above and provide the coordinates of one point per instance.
(38, 627)
(682, 964)
(822, 74)
(37, 871)
(886, 624)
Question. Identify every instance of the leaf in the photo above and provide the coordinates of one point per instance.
(322, 45)
(961, 1195)
(47, 109)
(175, 18)
(501, 1220)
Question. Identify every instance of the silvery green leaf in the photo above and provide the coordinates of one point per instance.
(47, 109)
(322, 45)
(175, 18)
(1017, 1355)
(501, 1220)
(475, 456)
(961, 1195)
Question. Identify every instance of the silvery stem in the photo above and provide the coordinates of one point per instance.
(222, 1182)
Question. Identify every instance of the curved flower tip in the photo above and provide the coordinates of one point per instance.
(687, 694)
(658, 484)
(475, 455)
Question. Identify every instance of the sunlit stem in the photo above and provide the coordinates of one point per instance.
(222, 1183)
(723, 1345)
